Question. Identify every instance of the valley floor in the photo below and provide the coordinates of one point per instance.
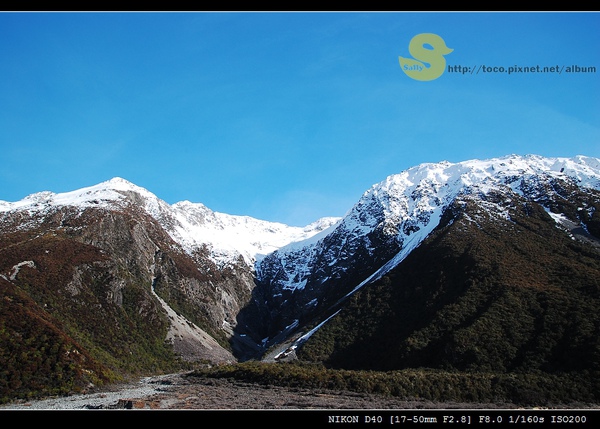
(179, 392)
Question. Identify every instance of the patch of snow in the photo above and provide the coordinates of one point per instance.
(17, 268)
(559, 218)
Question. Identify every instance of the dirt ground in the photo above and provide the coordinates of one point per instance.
(183, 392)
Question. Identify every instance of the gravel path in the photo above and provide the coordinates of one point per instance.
(104, 398)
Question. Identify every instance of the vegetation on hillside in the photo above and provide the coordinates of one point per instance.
(36, 357)
(482, 296)
(62, 326)
(522, 389)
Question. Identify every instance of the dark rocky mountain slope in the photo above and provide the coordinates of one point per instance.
(503, 284)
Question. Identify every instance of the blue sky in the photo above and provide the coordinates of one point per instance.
(285, 117)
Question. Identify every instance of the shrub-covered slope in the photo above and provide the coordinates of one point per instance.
(502, 290)
(37, 357)
(78, 305)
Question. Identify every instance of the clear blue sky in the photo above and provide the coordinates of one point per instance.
(281, 116)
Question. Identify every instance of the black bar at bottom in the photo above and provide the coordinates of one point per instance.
(584, 418)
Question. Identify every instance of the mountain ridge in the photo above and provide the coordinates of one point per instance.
(393, 217)
(191, 224)
(480, 294)
(258, 288)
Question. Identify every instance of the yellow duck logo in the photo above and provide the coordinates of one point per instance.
(434, 57)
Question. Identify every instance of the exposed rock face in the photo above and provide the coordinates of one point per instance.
(132, 258)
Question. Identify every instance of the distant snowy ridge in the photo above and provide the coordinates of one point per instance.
(192, 225)
(252, 238)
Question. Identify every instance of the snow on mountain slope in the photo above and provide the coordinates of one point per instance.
(398, 207)
(192, 225)
(406, 207)
(482, 176)
(103, 195)
(228, 234)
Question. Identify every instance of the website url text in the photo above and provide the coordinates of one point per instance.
(520, 69)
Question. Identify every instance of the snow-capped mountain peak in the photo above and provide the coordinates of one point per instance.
(427, 186)
(404, 208)
(102, 194)
(192, 225)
